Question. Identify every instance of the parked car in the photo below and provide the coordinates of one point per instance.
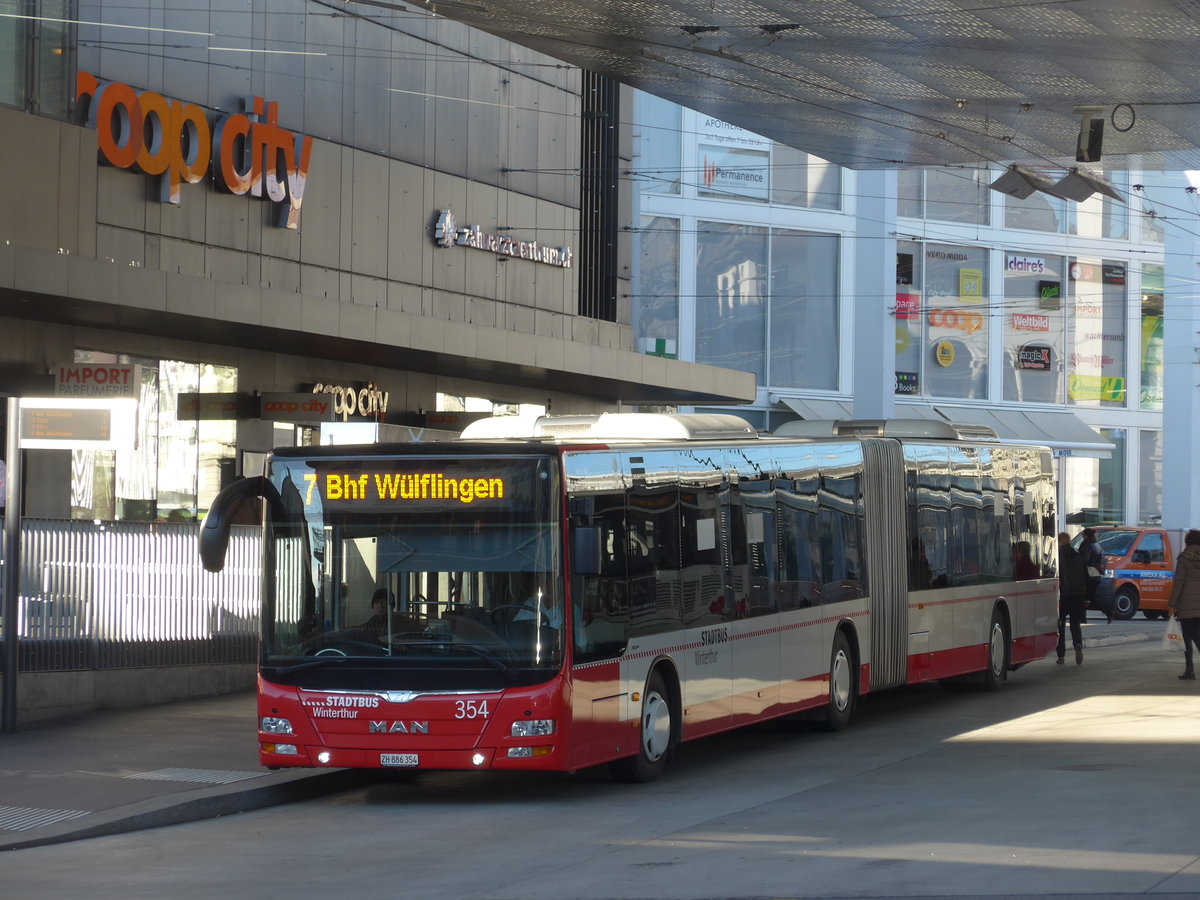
(1139, 569)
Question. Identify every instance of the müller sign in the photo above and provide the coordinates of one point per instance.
(448, 233)
(250, 153)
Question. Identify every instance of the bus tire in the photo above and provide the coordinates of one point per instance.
(843, 686)
(656, 736)
(996, 672)
(1125, 603)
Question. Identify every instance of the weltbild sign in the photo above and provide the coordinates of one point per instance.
(249, 152)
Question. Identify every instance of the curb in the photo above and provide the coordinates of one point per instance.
(212, 804)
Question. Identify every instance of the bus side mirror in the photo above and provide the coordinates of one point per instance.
(585, 553)
(214, 531)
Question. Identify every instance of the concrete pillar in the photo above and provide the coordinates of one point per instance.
(874, 296)
(1181, 364)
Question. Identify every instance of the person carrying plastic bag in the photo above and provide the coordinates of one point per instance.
(1184, 604)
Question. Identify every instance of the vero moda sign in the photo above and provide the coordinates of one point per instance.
(249, 152)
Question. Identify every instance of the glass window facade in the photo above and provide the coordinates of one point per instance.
(36, 56)
(656, 141)
(948, 195)
(1096, 340)
(1151, 338)
(1035, 327)
(1150, 477)
(12, 59)
(731, 296)
(801, 179)
(177, 465)
(1095, 488)
(656, 300)
(803, 308)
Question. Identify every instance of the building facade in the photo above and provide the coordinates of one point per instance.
(255, 205)
(914, 293)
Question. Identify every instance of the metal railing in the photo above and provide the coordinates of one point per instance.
(103, 595)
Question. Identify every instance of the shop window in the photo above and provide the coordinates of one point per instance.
(177, 466)
(1095, 488)
(1096, 332)
(1036, 320)
(941, 320)
(1150, 444)
(1151, 344)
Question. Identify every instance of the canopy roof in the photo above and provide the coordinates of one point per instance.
(884, 83)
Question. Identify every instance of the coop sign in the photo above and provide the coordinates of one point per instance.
(248, 151)
(448, 233)
(349, 401)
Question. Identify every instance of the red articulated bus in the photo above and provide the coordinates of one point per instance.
(586, 590)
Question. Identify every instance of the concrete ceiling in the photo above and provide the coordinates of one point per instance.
(887, 83)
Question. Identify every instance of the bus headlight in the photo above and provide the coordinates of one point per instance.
(274, 725)
(284, 749)
(533, 728)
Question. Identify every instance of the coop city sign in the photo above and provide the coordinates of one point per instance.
(249, 152)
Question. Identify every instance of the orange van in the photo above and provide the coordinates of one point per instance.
(1139, 569)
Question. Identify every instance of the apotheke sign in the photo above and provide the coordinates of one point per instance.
(447, 233)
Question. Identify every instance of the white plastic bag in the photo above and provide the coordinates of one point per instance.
(1172, 638)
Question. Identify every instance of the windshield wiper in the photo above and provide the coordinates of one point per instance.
(500, 665)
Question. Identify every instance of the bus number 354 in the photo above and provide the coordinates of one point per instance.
(470, 709)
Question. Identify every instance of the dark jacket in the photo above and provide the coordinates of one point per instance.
(1185, 592)
(1092, 556)
(1072, 572)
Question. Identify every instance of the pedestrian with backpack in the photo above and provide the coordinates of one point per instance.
(1093, 561)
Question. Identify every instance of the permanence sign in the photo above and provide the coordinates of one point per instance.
(249, 152)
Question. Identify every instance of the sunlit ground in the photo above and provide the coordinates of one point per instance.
(1146, 719)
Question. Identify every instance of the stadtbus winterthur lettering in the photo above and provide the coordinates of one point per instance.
(249, 152)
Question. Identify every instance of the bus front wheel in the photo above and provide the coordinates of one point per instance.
(656, 736)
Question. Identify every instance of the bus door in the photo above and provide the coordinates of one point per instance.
(709, 609)
(600, 705)
(753, 563)
(887, 560)
(804, 653)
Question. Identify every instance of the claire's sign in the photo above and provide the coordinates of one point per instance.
(249, 152)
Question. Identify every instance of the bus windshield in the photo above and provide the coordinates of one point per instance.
(428, 572)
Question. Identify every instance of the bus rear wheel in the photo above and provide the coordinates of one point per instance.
(843, 686)
(656, 736)
(997, 663)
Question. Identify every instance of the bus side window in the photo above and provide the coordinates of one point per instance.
(799, 545)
